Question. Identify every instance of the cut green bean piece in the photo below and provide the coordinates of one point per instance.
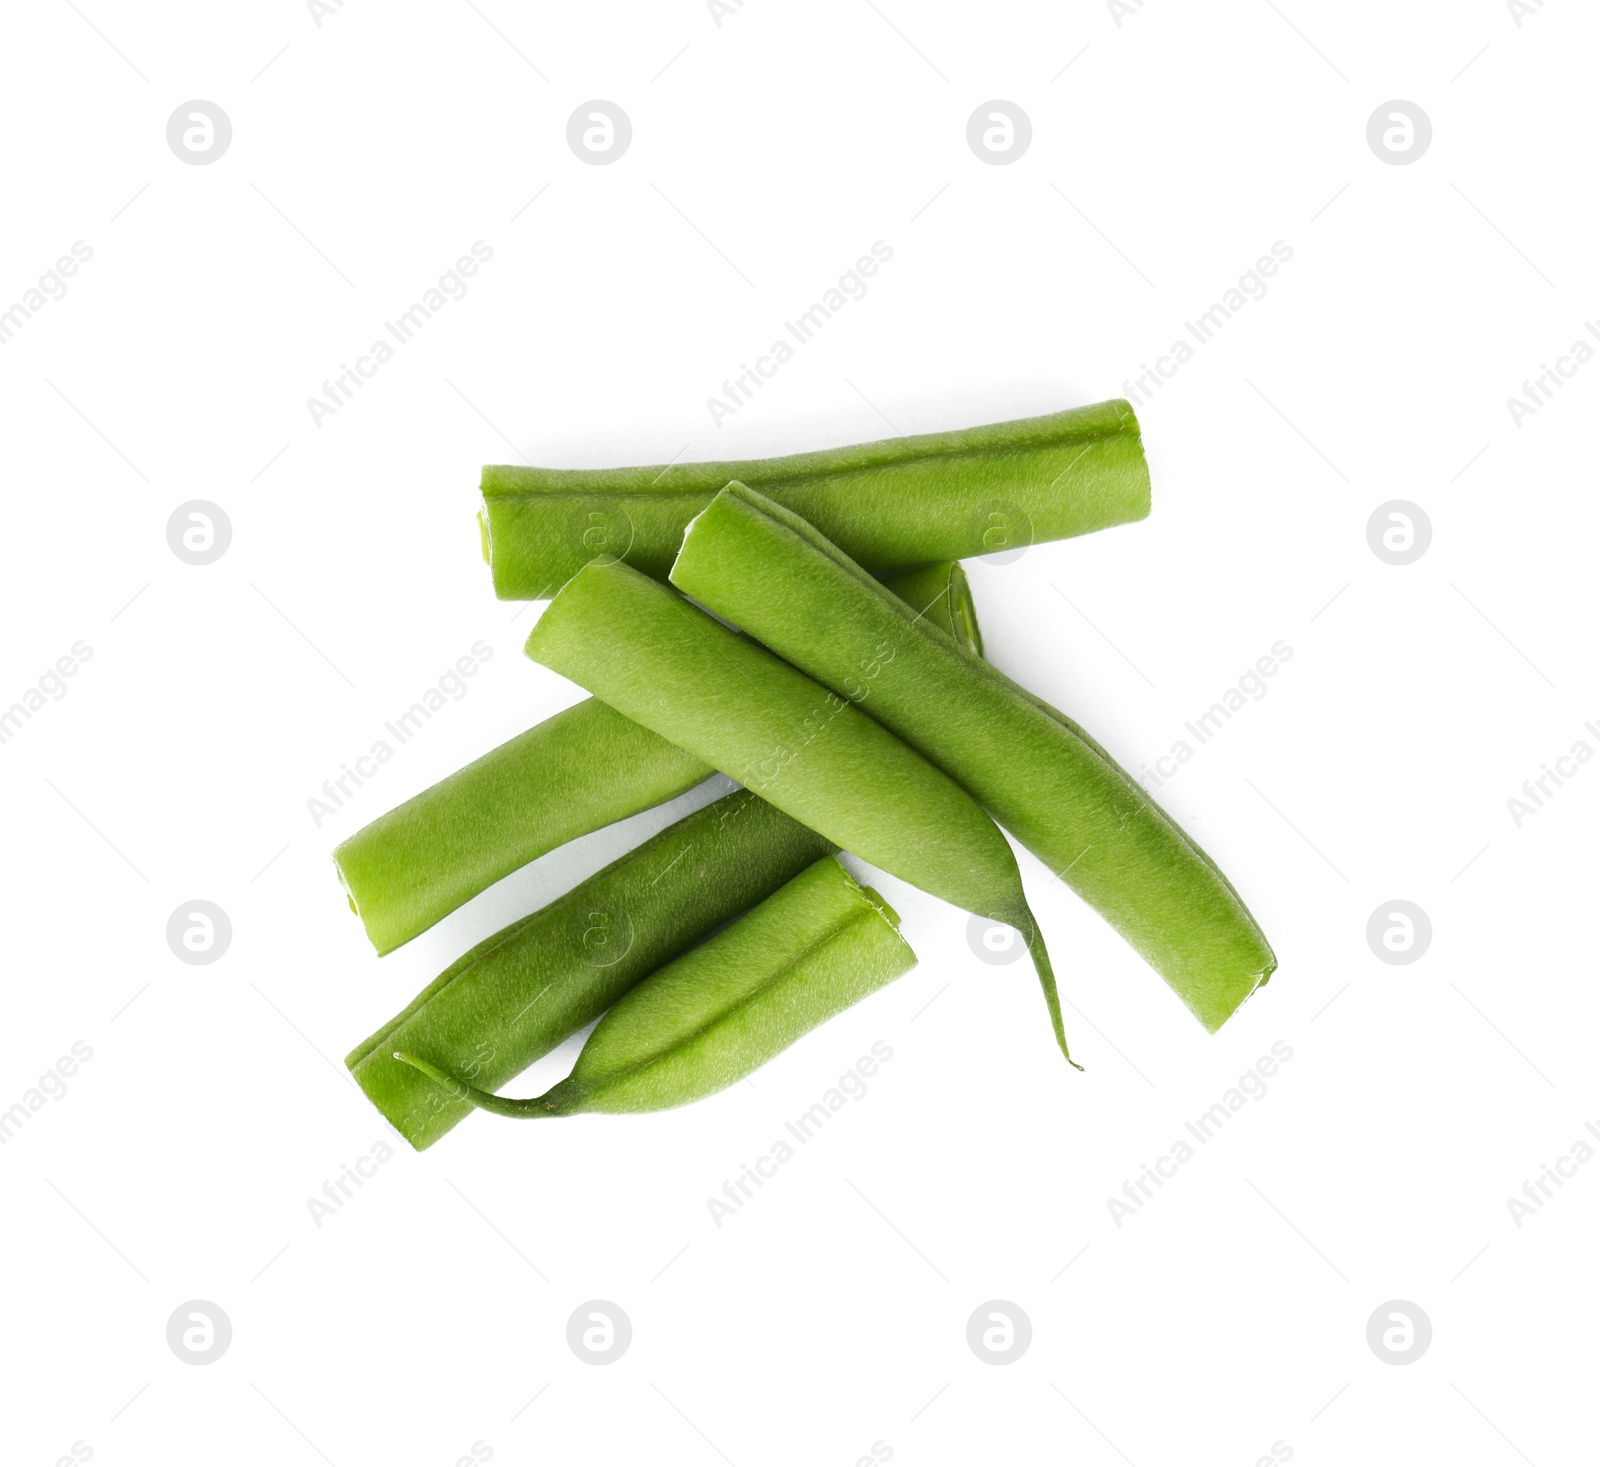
(940, 594)
(585, 768)
(520, 993)
(718, 1013)
(775, 576)
(644, 649)
(896, 503)
(576, 772)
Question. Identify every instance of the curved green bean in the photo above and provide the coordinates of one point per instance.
(520, 993)
(899, 502)
(711, 1017)
(576, 772)
(644, 649)
(769, 572)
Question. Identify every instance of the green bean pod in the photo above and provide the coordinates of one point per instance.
(582, 769)
(769, 572)
(576, 772)
(898, 502)
(644, 649)
(520, 993)
(720, 1012)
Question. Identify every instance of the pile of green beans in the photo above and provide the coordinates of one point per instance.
(901, 502)
(576, 772)
(769, 572)
(830, 662)
(813, 753)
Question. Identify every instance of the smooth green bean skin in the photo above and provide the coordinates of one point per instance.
(520, 993)
(713, 1016)
(576, 772)
(582, 769)
(766, 570)
(940, 594)
(899, 502)
(644, 649)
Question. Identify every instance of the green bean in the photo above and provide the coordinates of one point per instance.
(644, 649)
(769, 572)
(899, 502)
(520, 993)
(585, 768)
(711, 1017)
(574, 773)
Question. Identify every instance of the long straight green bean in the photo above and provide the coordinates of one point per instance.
(520, 993)
(896, 503)
(644, 649)
(576, 772)
(769, 572)
(721, 1011)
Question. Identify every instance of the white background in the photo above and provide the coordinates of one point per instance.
(1168, 154)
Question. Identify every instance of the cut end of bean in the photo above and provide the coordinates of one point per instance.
(349, 895)
(483, 535)
(873, 895)
(941, 594)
